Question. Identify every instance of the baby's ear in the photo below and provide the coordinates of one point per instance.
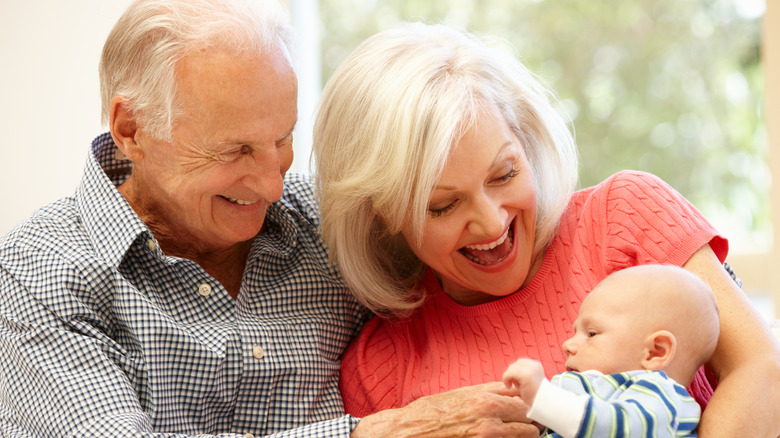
(660, 348)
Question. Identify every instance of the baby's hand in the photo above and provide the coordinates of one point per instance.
(527, 375)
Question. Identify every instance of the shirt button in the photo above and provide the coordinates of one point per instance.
(249, 435)
(258, 352)
(204, 290)
(151, 245)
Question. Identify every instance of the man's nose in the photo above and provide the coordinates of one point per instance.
(266, 174)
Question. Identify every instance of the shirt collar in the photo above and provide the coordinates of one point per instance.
(110, 222)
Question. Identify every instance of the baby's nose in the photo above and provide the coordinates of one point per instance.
(569, 347)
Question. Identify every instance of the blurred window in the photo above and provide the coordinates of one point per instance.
(671, 87)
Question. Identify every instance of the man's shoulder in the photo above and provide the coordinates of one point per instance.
(299, 195)
(53, 230)
(52, 221)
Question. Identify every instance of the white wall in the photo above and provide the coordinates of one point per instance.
(50, 102)
(49, 97)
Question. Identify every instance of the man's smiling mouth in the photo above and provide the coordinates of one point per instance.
(237, 201)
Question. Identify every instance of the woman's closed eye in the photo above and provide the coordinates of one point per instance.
(507, 177)
(436, 211)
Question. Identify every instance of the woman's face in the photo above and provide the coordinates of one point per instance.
(479, 233)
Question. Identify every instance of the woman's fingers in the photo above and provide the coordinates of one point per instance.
(488, 410)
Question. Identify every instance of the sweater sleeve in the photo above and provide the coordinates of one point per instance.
(649, 222)
(370, 371)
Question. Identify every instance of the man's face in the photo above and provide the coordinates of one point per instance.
(232, 144)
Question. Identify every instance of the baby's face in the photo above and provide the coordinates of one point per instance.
(607, 336)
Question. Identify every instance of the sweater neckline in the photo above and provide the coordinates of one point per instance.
(440, 299)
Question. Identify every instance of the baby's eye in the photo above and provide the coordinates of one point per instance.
(592, 334)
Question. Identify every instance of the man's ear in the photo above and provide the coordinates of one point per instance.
(660, 349)
(123, 126)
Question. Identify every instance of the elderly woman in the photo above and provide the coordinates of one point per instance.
(447, 187)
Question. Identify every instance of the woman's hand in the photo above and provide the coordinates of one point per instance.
(487, 410)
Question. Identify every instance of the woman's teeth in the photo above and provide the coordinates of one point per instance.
(490, 253)
(490, 245)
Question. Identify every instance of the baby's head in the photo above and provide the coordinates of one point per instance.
(653, 317)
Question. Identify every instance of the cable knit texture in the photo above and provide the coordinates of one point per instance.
(631, 218)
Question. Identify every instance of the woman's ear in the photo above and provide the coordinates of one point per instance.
(660, 349)
(123, 127)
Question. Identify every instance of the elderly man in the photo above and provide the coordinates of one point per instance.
(183, 288)
(175, 291)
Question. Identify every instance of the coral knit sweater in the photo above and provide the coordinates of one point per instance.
(631, 218)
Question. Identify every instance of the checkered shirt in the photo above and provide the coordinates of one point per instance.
(102, 334)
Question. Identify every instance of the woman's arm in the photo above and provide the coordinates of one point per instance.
(484, 410)
(746, 361)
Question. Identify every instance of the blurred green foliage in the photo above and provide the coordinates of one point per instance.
(672, 87)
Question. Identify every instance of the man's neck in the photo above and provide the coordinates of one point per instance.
(225, 264)
(227, 268)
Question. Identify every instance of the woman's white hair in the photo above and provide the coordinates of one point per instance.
(141, 52)
(388, 119)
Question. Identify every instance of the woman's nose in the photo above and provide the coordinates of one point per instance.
(489, 217)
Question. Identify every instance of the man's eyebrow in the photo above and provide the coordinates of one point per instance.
(239, 142)
(288, 133)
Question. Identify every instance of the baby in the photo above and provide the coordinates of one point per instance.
(639, 337)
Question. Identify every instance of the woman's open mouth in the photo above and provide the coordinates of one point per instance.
(493, 252)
